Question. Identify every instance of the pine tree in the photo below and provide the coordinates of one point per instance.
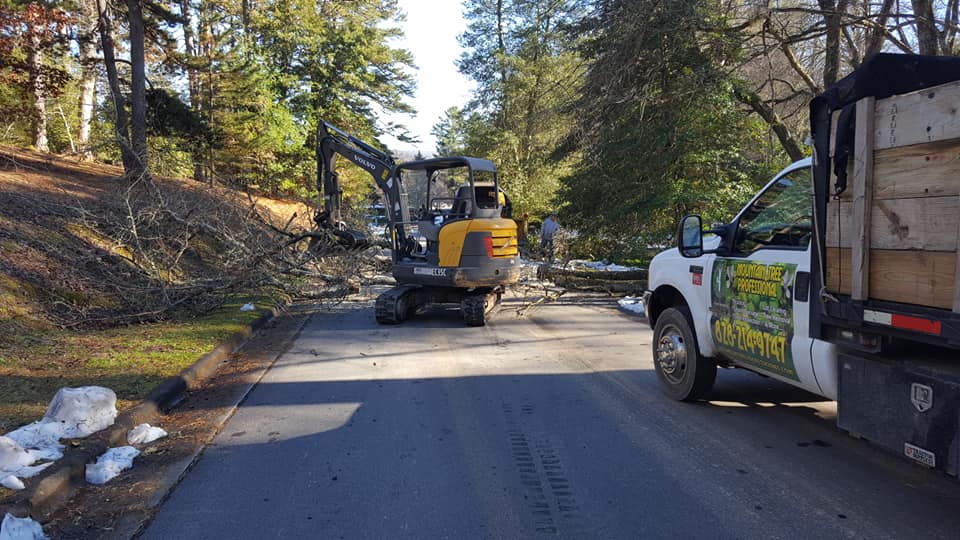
(660, 131)
(523, 56)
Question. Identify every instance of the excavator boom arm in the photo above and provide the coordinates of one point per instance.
(332, 142)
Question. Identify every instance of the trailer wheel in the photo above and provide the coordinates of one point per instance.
(684, 373)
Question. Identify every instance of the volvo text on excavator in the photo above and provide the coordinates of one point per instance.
(449, 241)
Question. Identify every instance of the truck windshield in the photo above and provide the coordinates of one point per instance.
(781, 217)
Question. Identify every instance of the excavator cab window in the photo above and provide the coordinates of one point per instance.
(486, 196)
(462, 203)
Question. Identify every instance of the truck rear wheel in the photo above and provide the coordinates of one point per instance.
(684, 373)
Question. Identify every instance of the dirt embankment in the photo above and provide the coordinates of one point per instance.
(79, 244)
(88, 259)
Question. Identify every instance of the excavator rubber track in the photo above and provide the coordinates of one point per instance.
(476, 306)
(399, 303)
(393, 306)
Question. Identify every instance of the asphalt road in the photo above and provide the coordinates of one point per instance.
(548, 425)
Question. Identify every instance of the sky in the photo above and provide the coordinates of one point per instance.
(431, 31)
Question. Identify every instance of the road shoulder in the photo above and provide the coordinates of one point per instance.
(120, 509)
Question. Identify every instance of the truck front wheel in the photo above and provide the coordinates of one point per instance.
(684, 373)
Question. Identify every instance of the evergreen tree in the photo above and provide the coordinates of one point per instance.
(30, 41)
(451, 133)
(660, 131)
(522, 54)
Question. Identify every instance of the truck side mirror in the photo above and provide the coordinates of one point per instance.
(690, 236)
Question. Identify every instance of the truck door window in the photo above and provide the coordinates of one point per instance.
(780, 217)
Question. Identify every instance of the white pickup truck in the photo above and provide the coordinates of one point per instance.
(745, 305)
(842, 275)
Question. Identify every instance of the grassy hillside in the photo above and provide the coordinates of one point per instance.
(120, 284)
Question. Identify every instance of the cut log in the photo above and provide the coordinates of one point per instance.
(629, 275)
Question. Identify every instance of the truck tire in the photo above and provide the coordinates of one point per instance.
(683, 372)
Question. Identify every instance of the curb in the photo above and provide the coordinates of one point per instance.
(53, 487)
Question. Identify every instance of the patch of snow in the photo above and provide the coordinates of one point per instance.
(381, 279)
(12, 456)
(29, 472)
(110, 464)
(11, 482)
(82, 411)
(248, 307)
(73, 413)
(14, 528)
(145, 433)
(600, 265)
(631, 304)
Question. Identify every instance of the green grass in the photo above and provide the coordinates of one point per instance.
(35, 361)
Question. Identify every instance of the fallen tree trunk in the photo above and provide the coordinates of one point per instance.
(629, 282)
(629, 275)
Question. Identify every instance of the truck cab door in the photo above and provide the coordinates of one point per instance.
(760, 297)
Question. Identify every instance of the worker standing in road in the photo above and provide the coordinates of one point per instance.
(548, 230)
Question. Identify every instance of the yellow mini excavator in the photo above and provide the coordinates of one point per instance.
(449, 241)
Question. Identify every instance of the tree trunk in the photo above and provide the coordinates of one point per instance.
(87, 42)
(122, 123)
(193, 85)
(35, 59)
(206, 48)
(832, 19)
(949, 34)
(787, 140)
(502, 61)
(138, 87)
(190, 47)
(878, 35)
(926, 27)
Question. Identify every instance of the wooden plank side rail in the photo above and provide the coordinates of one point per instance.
(956, 274)
(922, 170)
(927, 224)
(862, 199)
(923, 278)
(923, 116)
(894, 234)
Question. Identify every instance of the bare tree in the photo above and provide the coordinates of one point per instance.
(878, 32)
(35, 59)
(121, 122)
(801, 48)
(86, 37)
(138, 88)
(193, 75)
(182, 248)
(36, 19)
(927, 35)
(131, 130)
